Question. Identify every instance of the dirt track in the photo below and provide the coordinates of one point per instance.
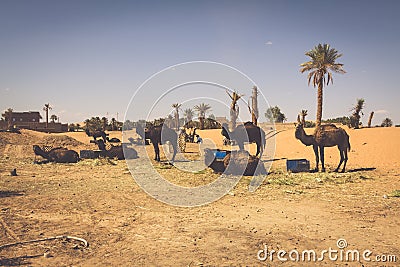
(99, 201)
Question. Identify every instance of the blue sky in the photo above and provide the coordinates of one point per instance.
(87, 58)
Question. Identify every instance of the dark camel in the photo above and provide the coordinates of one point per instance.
(327, 135)
(246, 133)
(97, 134)
(159, 134)
(58, 155)
(116, 151)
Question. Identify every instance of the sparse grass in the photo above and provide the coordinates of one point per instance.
(395, 193)
(98, 162)
(293, 179)
(163, 166)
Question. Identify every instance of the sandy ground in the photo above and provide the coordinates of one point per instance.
(98, 200)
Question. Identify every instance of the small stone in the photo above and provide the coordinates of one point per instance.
(385, 196)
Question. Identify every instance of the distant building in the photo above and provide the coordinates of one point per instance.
(221, 120)
(30, 120)
(22, 117)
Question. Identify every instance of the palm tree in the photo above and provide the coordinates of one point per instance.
(234, 111)
(8, 116)
(176, 106)
(202, 110)
(189, 114)
(387, 123)
(53, 118)
(303, 115)
(254, 105)
(104, 123)
(322, 63)
(370, 119)
(46, 108)
(113, 123)
(87, 124)
(355, 118)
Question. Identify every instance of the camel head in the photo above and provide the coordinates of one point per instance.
(299, 128)
(100, 143)
(37, 150)
(140, 131)
(225, 131)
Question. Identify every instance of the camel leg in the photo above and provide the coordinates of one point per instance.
(322, 155)
(241, 145)
(316, 157)
(341, 159)
(175, 149)
(258, 149)
(156, 151)
(345, 159)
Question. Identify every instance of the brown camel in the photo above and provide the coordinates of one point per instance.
(159, 134)
(97, 134)
(247, 132)
(58, 155)
(327, 135)
(118, 152)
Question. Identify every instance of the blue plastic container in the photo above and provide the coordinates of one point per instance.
(298, 165)
(220, 154)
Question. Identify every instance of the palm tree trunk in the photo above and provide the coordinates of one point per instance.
(177, 120)
(201, 119)
(319, 103)
(370, 119)
(254, 106)
(47, 118)
(233, 119)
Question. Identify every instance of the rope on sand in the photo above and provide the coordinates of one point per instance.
(84, 242)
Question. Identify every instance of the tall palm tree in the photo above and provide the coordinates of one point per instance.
(234, 109)
(320, 68)
(189, 114)
(202, 109)
(46, 108)
(370, 119)
(176, 106)
(254, 105)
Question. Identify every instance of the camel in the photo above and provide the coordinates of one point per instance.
(326, 135)
(159, 134)
(58, 155)
(118, 152)
(97, 134)
(247, 132)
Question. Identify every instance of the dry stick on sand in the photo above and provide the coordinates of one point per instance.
(85, 243)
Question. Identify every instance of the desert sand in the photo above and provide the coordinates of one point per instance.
(99, 200)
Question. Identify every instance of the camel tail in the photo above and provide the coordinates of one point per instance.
(348, 142)
(264, 140)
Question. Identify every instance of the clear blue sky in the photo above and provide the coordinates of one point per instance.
(87, 58)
